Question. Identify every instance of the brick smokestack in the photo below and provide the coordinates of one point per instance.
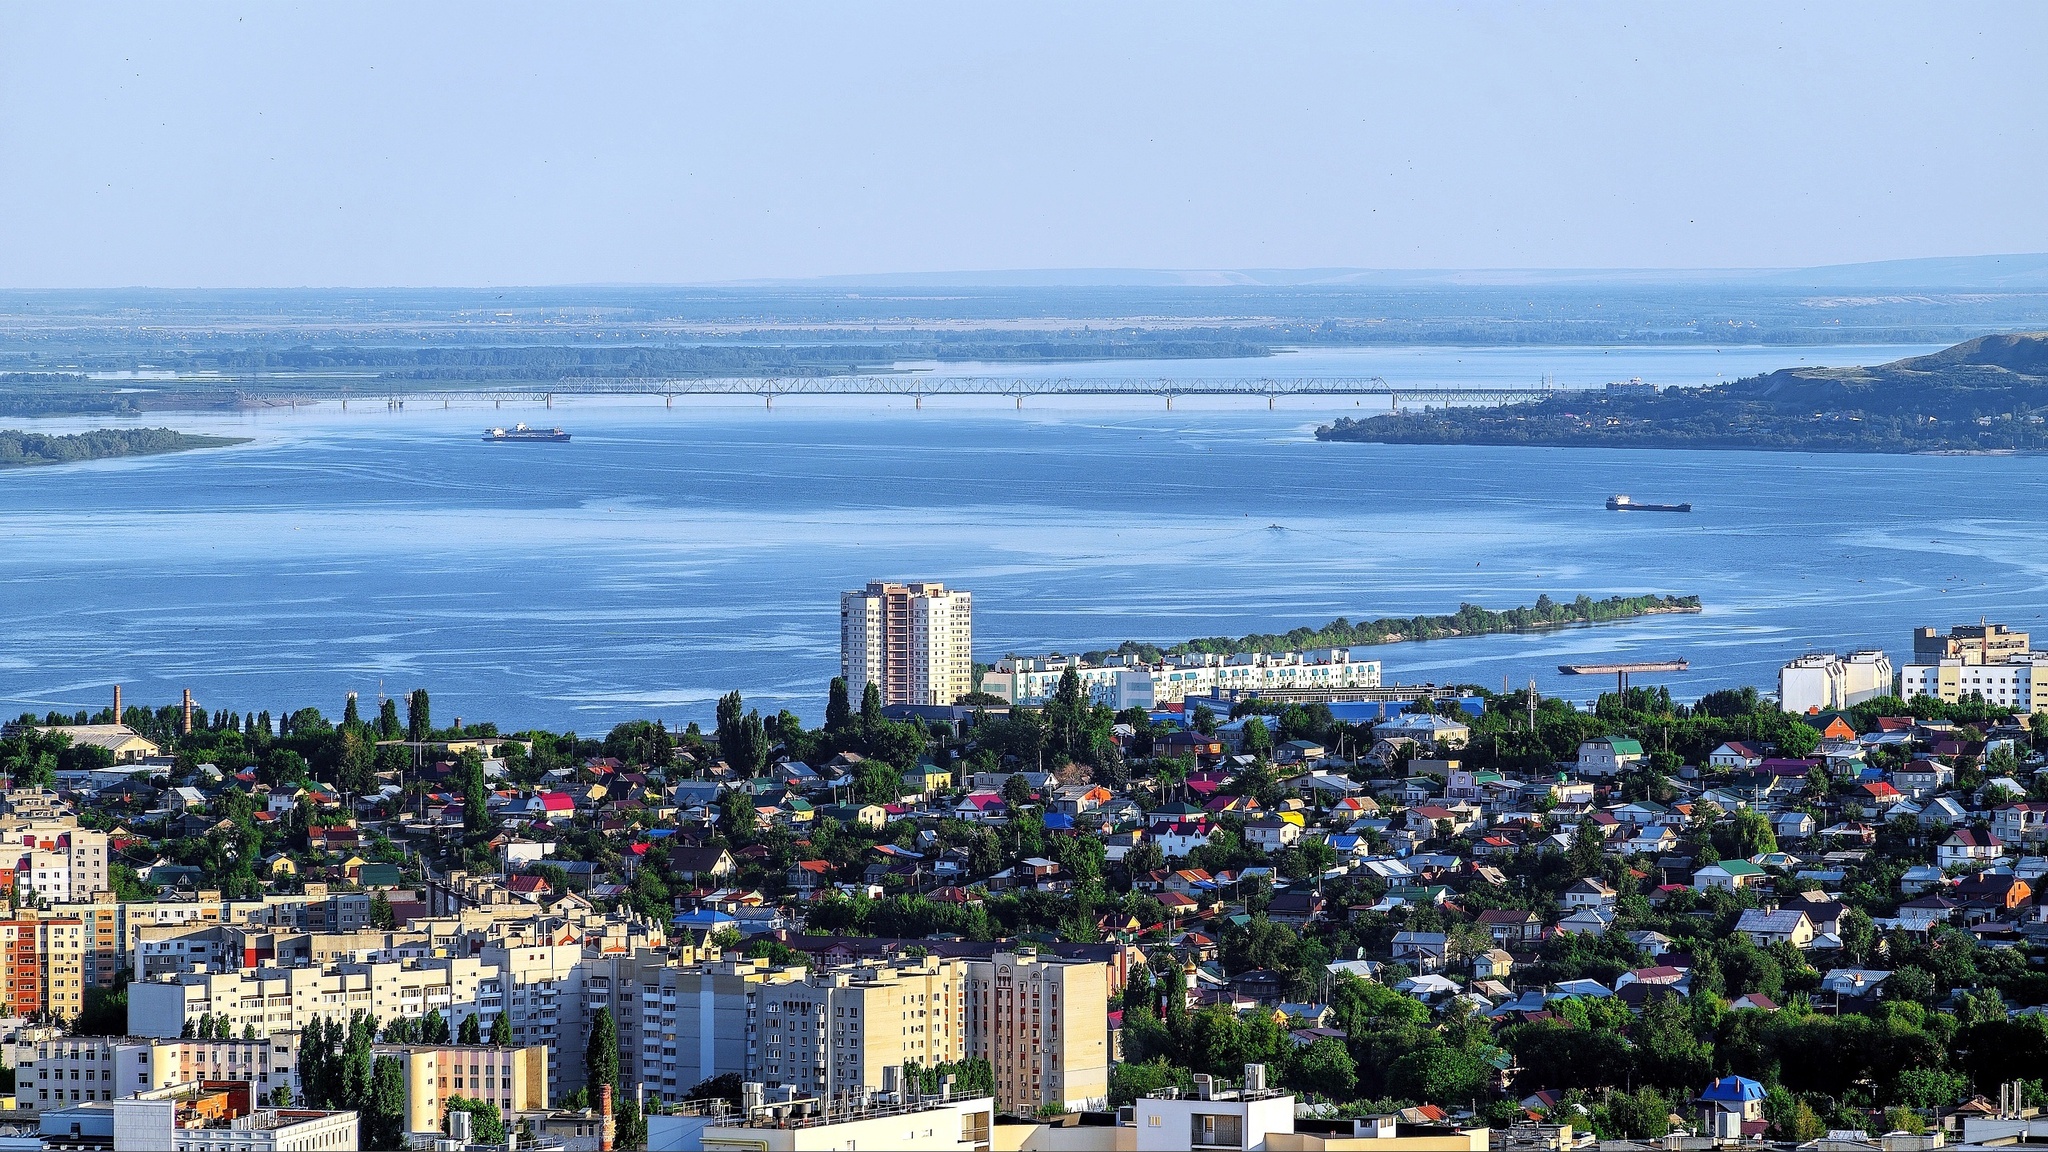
(117, 703)
(604, 1120)
(188, 712)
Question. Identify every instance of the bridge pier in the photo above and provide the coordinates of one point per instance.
(344, 403)
(1169, 402)
(920, 402)
(768, 400)
(444, 405)
(497, 403)
(1020, 403)
(1269, 403)
(550, 397)
(669, 401)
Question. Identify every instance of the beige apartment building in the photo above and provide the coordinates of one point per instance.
(1042, 1023)
(1982, 643)
(515, 1079)
(61, 944)
(832, 1033)
(914, 641)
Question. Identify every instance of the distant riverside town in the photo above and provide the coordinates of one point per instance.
(1131, 901)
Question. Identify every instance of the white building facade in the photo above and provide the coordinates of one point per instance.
(1824, 682)
(1128, 682)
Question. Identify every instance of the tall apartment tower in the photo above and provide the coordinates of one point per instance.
(915, 641)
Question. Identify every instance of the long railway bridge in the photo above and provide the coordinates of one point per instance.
(918, 387)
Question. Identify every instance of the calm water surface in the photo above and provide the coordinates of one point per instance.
(666, 556)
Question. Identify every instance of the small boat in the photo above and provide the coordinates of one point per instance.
(1624, 504)
(521, 434)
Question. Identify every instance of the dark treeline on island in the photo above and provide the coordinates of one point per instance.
(1987, 395)
(26, 449)
(1468, 620)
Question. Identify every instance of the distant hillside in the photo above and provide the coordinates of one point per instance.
(1985, 395)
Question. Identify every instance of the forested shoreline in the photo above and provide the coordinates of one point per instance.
(34, 449)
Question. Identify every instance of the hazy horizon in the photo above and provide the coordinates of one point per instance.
(253, 146)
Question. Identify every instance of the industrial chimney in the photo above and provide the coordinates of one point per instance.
(188, 712)
(604, 1120)
(117, 703)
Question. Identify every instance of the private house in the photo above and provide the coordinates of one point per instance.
(1428, 731)
(1792, 825)
(701, 863)
(1609, 756)
(1271, 833)
(1511, 925)
(1736, 756)
(1730, 874)
(1425, 951)
(1589, 892)
(1923, 778)
(1966, 846)
(1784, 926)
(1299, 752)
(1732, 1108)
(1493, 964)
(1295, 907)
(2024, 823)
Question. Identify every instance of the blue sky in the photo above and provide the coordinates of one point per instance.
(446, 144)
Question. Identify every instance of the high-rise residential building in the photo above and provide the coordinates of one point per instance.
(1042, 1024)
(1980, 643)
(832, 1033)
(1825, 682)
(515, 1079)
(273, 1000)
(914, 641)
(61, 1071)
(61, 945)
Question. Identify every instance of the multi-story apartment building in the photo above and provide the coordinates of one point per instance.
(515, 1079)
(832, 1033)
(60, 945)
(53, 1073)
(133, 916)
(1980, 643)
(1042, 1023)
(21, 968)
(2016, 681)
(273, 1000)
(102, 917)
(55, 862)
(914, 641)
(682, 1023)
(1824, 682)
(1128, 682)
(545, 990)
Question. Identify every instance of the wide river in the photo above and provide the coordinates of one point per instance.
(668, 555)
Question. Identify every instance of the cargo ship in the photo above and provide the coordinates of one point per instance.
(1624, 504)
(521, 434)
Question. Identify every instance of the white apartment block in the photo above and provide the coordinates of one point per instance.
(274, 1000)
(1127, 682)
(2019, 682)
(1824, 682)
(56, 863)
(914, 641)
(60, 1072)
